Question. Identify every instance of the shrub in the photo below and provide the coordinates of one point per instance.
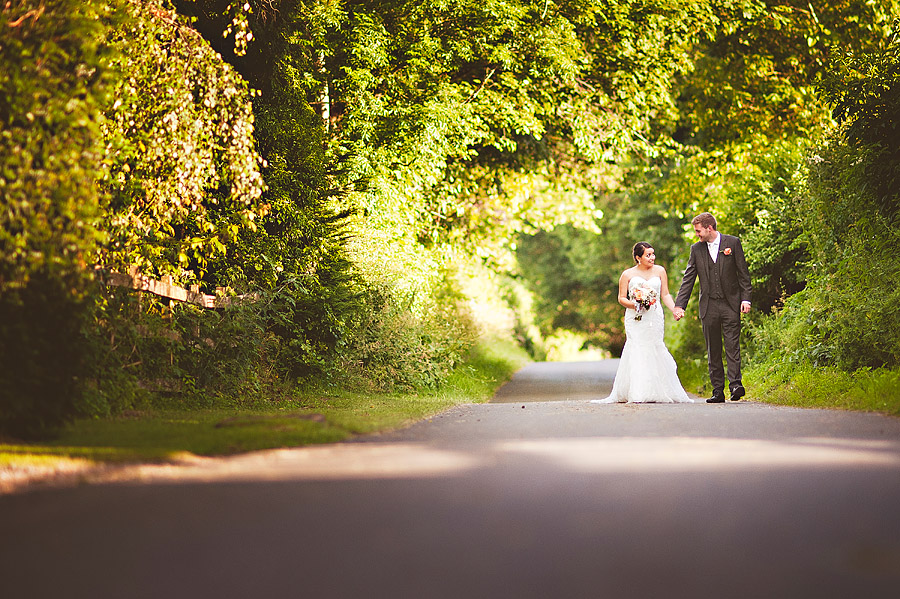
(396, 347)
(145, 352)
(42, 355)
(51, 88)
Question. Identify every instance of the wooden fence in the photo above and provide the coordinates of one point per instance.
(133, 279)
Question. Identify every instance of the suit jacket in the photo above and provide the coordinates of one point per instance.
(731, 265)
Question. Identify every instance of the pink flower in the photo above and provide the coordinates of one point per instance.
(727, 251)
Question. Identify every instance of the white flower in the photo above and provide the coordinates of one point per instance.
(644, 297)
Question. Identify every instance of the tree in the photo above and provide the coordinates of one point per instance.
(125, 141)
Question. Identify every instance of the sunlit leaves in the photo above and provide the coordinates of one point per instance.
(182, 160)
(52, 85)
(52, 88)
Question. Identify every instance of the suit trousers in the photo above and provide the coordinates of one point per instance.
(722, 323)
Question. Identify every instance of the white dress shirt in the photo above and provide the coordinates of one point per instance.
(714, 247)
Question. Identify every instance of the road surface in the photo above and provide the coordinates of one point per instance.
(537, 495)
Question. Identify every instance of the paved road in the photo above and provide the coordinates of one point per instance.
(519, 498)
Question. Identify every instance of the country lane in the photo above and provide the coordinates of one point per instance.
(538, 494)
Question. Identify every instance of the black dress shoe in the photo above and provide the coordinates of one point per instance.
(737, 392)
(718, 397)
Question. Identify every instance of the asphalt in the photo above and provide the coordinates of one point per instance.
(539, 494)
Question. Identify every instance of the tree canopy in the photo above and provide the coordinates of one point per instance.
(393, 178)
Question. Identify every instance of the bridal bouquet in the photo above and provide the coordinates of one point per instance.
(644, 296)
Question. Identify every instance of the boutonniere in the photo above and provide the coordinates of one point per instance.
(727, 251)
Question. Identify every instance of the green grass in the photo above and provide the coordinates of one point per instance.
(694, 376)
(310, 416)
(807, 386)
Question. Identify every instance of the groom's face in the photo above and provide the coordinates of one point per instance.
(706, 234)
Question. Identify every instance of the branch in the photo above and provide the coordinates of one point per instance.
(35, 12)
(480, 87)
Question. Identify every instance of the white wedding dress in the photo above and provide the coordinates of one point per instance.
(647, 372)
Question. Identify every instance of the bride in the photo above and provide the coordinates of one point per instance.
(647, 371)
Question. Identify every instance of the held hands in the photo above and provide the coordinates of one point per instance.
(678, 313)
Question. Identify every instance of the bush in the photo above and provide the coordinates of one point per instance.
(123, 138)
(396, 347)
(42, 355)
(51, 90)
(143, 352)
(851, 217)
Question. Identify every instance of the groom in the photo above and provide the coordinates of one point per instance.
(718, 260)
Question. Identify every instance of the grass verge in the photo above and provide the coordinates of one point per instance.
(309, 416)
(807, 386)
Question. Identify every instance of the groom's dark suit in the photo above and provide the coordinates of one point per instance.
(724, 284)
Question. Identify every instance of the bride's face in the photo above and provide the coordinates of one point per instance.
(648, 259)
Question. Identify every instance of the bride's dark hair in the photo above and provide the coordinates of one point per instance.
(639, 248)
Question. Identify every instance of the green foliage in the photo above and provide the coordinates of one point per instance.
(731, 137)
(303, 316)
(182, 170)
(758, 73)
(394, 348)
(760, 201)
(463, 125)
(52, 85)
(750, 114)
(574, 272)
(847, 315)
(42, 354)
(794, 334)
(571, 291)
(864, 90)
(850, 214)
(808, 386)
(144, 352)
(354, 163)
(858, 293)
(296, 258)
(126, 141)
